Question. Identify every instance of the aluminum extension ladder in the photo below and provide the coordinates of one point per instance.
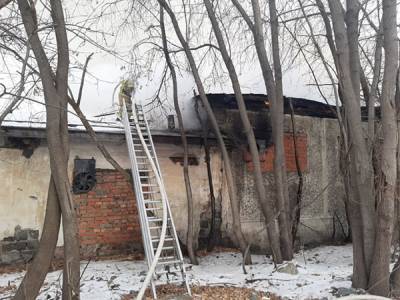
(170, 265)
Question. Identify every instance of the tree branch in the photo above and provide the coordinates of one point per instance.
(83, 79)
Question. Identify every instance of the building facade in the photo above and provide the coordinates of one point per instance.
(108, 220)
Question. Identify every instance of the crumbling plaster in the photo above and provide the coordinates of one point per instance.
(323, 192)
(25, 183)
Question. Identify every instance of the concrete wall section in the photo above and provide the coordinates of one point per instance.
(25, 182)
(23, 190)
(322, 208)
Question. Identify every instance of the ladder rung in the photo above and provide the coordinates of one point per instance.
(157, 227)
(157, 219)
(166, 259)
(143, 157)
(147, 177)
(139, 142)
(141, 150)
(153, 208)
(150, 192)
(169, 239)
(152, 201)
(170, 262)
(167, 248)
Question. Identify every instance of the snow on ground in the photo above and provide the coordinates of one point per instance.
(319, 270)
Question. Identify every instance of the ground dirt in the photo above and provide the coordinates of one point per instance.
(172, 292)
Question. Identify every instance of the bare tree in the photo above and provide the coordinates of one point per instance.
(273, 86)
(55, 93)
(190, 233)
(379, 279)
(235, 207)
(267, 205)
(370, 210)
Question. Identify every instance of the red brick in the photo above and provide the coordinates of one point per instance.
(267, 158)
(111, 202)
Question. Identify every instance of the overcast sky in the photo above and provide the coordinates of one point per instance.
(106, 71)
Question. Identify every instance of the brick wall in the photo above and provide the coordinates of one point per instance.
(108, 217)
(267, 157)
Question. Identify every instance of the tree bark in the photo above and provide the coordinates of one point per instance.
(235, 205)
(212, 235)
(395, 275)
(379, 277)
(276, 115)
(37, 270)
(267, 206)
(189, 196)
(282, 191)
(361, 171)
(57, 134)
(299, 195)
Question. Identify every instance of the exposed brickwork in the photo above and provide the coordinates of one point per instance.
(267, 158)
(108, 216)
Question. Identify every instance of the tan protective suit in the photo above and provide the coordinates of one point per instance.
(125, 94)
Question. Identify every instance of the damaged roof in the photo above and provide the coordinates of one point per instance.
(10, 134)
(257, 102)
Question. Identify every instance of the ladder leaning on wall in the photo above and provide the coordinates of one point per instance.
(163, 254)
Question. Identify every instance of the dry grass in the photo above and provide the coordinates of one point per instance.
(8, 288)
(169, 292)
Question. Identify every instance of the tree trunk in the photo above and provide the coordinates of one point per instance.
(37, 270)
(361, 171)
(395, 276)
(275, 98)
(282, 191)
(235, 205)
(267, 206)
(299, 195)
(212, 235)
(55, 94)
(189, 197)
(379, 277)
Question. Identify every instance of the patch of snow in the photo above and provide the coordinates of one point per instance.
(319, 270)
